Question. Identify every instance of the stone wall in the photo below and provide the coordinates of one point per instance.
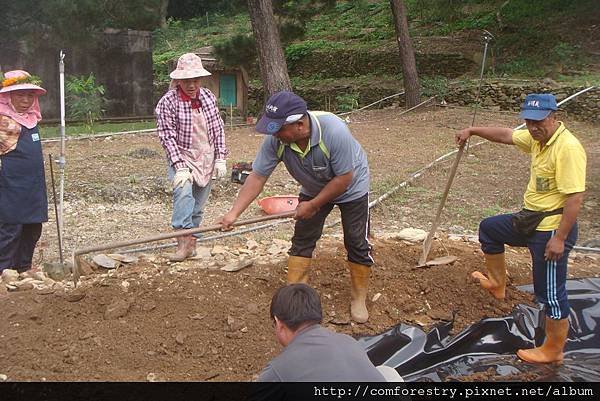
(510, 96)
(120, 60)
(499, 95)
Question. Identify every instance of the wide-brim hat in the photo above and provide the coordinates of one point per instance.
(18, 80)
(189, 66)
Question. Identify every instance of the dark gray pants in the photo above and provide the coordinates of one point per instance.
(355, 222)
(17, 243)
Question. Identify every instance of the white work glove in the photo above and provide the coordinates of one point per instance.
(182, 176)
(220, 168)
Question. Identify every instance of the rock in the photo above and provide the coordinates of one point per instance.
(275, 249)
(251, 244)
(106, 262)
(74, 296)
(117, 309)
(11, 287)
(3, 378)
(203, 252)
(234, 335)
(9, 275)
(180, 338)
(340, 321)
(125, 285)
(218, 250)
(23, 285)
(152, 377)
(440, 315)
(412, 234)
(123, 258)
(376, 297)
(444, 260)
(239, 265)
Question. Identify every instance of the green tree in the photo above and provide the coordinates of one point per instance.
(85, 99)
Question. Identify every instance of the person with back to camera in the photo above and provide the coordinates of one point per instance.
(311, 352)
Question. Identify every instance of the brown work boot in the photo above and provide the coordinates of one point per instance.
(496, 282)
(183, 249)
(557, 332)
(359, 275)
(298, 267)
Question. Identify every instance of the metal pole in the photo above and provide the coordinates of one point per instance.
(427, 244)
(61, 160)
(60, 252)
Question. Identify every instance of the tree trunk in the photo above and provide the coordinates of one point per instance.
(164, 5)
(273, 68)
(412, 87)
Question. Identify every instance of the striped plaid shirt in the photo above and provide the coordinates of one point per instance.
(175, 128)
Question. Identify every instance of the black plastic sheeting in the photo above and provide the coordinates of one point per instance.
(486, 351)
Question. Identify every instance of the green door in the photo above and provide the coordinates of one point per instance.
(227, 90)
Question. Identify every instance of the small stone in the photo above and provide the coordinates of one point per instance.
(235, 266)
(125, 285)
(116, 309)
(106, 262)
(3, 377)
(218, 250)
(123, 258)
(203, 252)
(9, 276)
(152, 377)
(234, 335)
(197, 316)
(376, 297)
(251, 244)
(412, 234)
(24, 285)
(74, 296)
(444, 260)
(180, 338)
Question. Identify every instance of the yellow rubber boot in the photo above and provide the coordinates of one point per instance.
(359, 275)
(298, 269)
(496, 282)
(557, 332)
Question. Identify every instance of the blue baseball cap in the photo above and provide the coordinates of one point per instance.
(538, 106)
(281, 108)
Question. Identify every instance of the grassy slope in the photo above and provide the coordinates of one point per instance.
(533, 38)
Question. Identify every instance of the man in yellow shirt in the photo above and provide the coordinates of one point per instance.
(556, 187)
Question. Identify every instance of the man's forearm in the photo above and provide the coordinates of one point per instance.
(333, 189)
(493, 134)
(250, 190)
(569, 216)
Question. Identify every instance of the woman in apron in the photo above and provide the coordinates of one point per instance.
(23, 201)
(192, 134)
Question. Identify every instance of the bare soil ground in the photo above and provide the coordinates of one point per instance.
(193, 321)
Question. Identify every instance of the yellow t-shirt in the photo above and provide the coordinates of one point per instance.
(557, 170)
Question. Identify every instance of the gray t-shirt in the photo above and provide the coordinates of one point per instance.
(320, 355)
(314, 170)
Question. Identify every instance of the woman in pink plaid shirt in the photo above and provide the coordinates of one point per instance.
(191, 132)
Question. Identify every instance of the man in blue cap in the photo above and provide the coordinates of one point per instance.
(548, 223)
(319, 151)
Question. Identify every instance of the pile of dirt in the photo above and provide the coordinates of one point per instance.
(157, 321)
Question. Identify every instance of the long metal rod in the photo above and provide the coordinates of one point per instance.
(427, 244)
(121, 244)
(60, 252)
(61, 160)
